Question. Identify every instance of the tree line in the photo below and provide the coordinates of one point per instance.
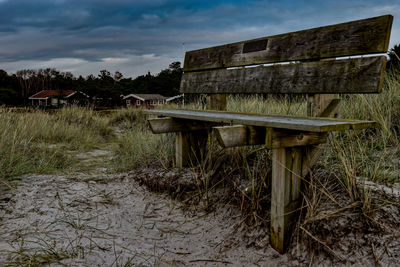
(16, 88)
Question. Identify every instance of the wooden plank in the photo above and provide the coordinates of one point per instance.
(241, 135)
(284, 122)
(285, 194)
(171, 125)
(356, 75)
(359, 37)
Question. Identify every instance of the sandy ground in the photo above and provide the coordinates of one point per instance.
(109, 220)
(100, 219)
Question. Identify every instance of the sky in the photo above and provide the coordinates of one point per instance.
(135, 37)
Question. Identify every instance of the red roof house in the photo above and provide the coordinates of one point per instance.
(148, 101)
(57, 98)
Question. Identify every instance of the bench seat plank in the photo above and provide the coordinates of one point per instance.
(311, 124)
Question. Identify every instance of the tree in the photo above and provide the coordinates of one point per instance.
(117, 76)
(175, 66)
(9, 89)
(25, 80)
(104, 74)
(105, 86)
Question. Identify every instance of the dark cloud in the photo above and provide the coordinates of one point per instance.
(91, 33)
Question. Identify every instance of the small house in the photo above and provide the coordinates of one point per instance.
(148, 101)
(57, 98)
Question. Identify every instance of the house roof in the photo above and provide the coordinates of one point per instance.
(174, 97)
(144, 97)
(49, 93)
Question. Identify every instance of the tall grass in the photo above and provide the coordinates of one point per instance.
(285, 105)
(38, 142)
(372, 153)
(382, 108)
(140, 147)
(136, 145)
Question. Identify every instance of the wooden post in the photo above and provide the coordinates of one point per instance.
(191, 146)
(181, 149)
(285, 195)
(216, 101)
(288, 169)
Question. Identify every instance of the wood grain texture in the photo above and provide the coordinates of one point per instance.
(284, 122)
(367, 36)
(171, 125)
(182, 150)
(357, 75)
(322, 105)
(285, 194)
(277, 138)
(242, 135)
(239, 135)
(190, 148)
(216, 101)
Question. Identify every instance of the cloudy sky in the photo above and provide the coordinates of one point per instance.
(134, 37)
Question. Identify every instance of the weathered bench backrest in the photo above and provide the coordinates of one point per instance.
(210, 70)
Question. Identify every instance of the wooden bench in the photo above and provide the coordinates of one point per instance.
(314, 66)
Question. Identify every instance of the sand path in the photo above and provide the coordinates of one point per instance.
(109, 220)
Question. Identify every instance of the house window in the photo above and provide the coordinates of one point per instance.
(153, 102)
(138, 102)
(54, 101)
(128, 102)
(160, 102)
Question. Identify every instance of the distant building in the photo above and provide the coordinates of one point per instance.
(178, 99)
(57, 98)
(148, 101)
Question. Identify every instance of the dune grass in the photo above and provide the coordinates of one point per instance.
(38, 142)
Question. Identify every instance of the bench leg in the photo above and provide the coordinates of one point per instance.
(216, 101)
(190, 147)
(285, 195)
